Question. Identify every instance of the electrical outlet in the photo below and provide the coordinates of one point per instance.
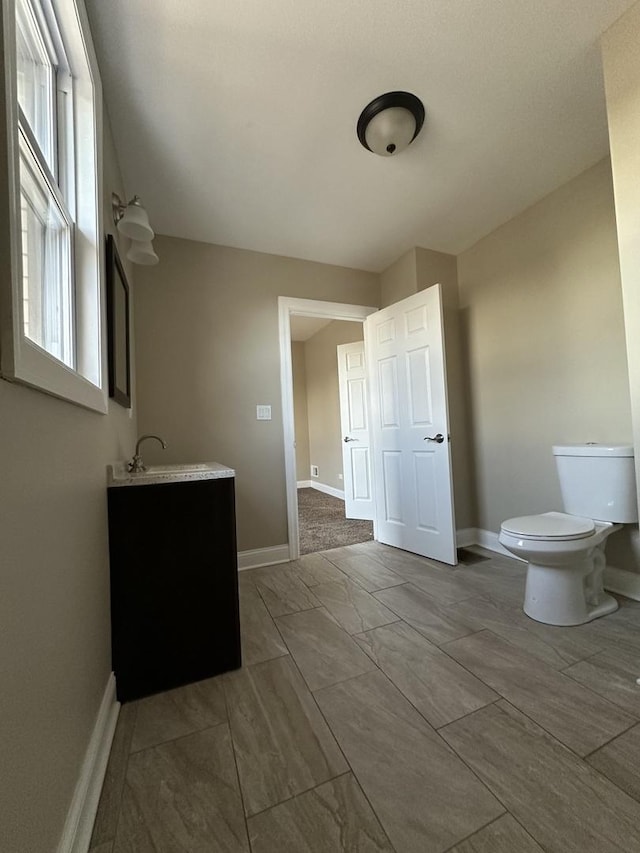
(340, 476)
(314, 470)
(263, 413)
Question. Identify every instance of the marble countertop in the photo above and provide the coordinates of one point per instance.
(118, 475)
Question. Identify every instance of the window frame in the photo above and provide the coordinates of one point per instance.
(21, 359)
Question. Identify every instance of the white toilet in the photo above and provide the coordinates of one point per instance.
(565, 550)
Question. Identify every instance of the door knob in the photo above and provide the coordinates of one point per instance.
(348, 438)
(439, 438)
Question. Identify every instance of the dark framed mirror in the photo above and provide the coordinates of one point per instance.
(118, 327)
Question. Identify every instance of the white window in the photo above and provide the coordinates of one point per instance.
(54, 112)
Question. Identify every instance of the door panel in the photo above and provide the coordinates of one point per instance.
(424, 471)
(419, 370)
(392, 487)
(388, 385)
(361, 473)
(354, 420)
(412, 476)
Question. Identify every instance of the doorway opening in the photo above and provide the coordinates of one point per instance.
(323, 524)
(320, 350)
(308, 308)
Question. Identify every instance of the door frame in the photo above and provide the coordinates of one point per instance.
(287, 307)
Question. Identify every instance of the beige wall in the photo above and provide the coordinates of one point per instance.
(621, 60)
(399, 280)
(301, 421)
(208, 352)
(55, 655)
(323, 398)
(542, 315)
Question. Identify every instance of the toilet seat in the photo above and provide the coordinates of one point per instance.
(550, 527)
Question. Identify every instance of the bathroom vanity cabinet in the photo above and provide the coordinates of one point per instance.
(174, 581)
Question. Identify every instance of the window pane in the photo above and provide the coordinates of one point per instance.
(36, 76)
(46, 264)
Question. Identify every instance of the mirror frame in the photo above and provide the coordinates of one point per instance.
(118, 327)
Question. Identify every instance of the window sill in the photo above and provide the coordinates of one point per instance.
(39, 370)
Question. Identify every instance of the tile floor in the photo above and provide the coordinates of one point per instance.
(389, 703)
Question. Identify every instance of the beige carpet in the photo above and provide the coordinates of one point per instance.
(323, 524)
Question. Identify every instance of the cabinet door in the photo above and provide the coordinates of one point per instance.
(174, 592)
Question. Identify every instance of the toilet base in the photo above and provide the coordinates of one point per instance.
(567, 596)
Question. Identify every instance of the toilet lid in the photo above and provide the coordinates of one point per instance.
(549, 525)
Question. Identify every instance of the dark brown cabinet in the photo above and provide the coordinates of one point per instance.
(174, 584)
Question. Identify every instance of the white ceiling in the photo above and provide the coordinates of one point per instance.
(234, 120)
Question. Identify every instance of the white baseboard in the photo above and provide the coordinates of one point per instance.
(78, 827)
(263, 557)
(328, 490)
(466, 536)
(488, 539)
(623, 582)
(304, 484)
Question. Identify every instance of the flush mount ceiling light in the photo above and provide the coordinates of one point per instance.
(390, 123)
(131, 219)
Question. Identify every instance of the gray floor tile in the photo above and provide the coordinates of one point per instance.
(442, 585)
(612, 673)
(366, 570)
(564, 804)
(183, 796)
(573, 644)
(105, 847)
(619, 630)
(394, 558)
(424, 614)
(282, 590)
(282, 743)
(178, 712)
(353, 607)
(260, 638)
(323, 651)
(620, 761)
(332, 818)
(504, 835)
(499, 585)
(434, 683)
(313, 569)
(545, 695)
(183, 793)
(104, 827)
(557, 647)
(424, 796)
(501, 577)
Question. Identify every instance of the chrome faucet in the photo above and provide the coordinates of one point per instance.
(136, 465)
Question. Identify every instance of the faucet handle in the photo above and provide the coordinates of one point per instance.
(135, 466)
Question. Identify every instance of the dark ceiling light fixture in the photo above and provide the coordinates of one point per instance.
(390, 123)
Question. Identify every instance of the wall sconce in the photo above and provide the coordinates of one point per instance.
(390, 123)
(131, 220)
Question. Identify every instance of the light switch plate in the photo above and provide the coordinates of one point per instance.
(263, 413)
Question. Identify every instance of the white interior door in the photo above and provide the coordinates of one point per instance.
(354, 423)
(411, 457)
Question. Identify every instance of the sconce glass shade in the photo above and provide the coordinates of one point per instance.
(390, 123)
(141, 252)
(134, 222)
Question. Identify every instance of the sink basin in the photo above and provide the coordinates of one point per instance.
(118, 475)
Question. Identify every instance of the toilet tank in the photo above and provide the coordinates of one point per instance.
(598, 481)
